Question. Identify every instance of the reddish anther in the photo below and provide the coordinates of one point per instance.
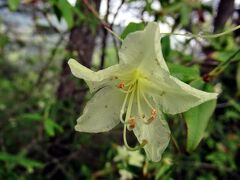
(132, 122)
(121, 85)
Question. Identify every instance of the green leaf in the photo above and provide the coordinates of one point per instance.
(132, 27)
(224, 55)
(185, 14)
(66, 11)
(31, 117)
(197, 118)
(13, 4)
(20, 160)
(183, 73)
(51, 127)
(166, 46)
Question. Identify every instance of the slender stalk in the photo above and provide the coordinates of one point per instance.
(204, 35)
(104, 23)
(176, 144)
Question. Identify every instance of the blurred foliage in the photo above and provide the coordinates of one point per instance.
(37, 137)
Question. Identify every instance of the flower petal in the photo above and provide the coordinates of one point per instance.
(95, 80)
(101, 112)
(172, 95)
(156, 133)
(143, 48)
(82, 72)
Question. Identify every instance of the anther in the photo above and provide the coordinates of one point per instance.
(153, 116)
(132, 122)
(154, 113)
(121, 85)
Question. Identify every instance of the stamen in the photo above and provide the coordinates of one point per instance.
(130, 89)
(153, 116)
(123, 108)
(141, 114)
(124, 91)
(154, 113)
(121, 85)
(146, 100)
(130, 82)
(130, 103)
(144, 142)
(132, 123)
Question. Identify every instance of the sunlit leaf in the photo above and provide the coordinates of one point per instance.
(184, 73)
(224, 55)
(66, 11)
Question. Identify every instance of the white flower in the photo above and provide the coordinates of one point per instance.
(134, 158)
(136, 92)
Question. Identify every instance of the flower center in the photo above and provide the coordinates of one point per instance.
(132, 85)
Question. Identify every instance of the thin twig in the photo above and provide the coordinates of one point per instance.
(103, 23)
(49, 22)
(176, 144)
(220, 68)
(104, 39)
(111, 25)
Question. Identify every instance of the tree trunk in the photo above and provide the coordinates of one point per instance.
(82, 42)
(225, 10)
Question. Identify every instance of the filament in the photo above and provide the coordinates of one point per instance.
(123, 108)
(146, 100)
(140, 112)
(137, 147)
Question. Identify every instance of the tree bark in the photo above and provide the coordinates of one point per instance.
(225, 10)
(81, 41)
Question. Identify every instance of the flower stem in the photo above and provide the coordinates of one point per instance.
(176, 144)
(220, 68)
(204, 35)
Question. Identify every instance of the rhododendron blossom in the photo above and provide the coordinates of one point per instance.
(137, 92)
